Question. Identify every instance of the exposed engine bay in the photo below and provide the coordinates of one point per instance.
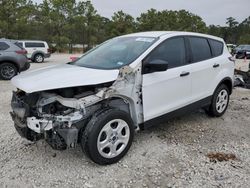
(59, 115)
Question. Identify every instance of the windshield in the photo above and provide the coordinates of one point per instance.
(115, 53)
(240, 46)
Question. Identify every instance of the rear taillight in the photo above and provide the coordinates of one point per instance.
(23, 52)
(49, 50)
(73, 58)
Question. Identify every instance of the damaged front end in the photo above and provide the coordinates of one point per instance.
(59, 115)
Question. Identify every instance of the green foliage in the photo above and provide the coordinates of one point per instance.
(121, 24)
(234, 32)
(245, 39)
(64, 23)
(170, 20)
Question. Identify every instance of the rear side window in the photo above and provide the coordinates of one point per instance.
(34, 45)
(216, 47)
(172, 50)
(4, 46)
(200, 49)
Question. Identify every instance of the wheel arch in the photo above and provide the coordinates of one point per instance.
(36, 53)
(122, 103)
(228, 82)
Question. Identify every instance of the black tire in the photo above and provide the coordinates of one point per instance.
(217, 111)
(39, 58)
(89, 137)
(7, 71)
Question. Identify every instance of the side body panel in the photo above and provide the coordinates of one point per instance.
(165, 91)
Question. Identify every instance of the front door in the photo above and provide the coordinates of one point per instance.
(169, 90)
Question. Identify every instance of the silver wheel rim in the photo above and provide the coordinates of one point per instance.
(39, 58)
(221, 101)
(113, 138)
(8, 71)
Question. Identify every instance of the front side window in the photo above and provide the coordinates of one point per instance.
(200, 49)
(171, 51)
(4, 46)
(115, 53)
(34, 45)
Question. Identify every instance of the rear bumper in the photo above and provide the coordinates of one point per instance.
(47, 55)
(25, 67)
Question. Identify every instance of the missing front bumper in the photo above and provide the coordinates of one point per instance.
(23, 130)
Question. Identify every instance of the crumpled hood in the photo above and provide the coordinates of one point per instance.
(62, 76)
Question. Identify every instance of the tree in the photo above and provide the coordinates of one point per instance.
(15, 24)
(121, 24)
(88, 24)
(170, 20)
(231, 22)
(245, 39)
(65, 23)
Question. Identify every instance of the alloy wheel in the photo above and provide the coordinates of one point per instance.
(113, 138)
(221, 101)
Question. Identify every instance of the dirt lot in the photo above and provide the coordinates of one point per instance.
(173, 154)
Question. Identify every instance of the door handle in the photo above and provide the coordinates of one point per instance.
(216, 65)
(184, 74)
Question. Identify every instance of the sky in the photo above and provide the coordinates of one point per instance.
(211, 11)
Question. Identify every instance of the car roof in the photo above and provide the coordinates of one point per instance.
(31, 41)
(159, 34)
(8, 41)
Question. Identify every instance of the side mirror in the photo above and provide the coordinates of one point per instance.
(156, 65)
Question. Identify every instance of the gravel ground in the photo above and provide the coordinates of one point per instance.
(173, 154)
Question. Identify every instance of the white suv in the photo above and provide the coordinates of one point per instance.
(36, 50)
(125, 84)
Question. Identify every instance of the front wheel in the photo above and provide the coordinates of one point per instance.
(220, 101)
(108, 136)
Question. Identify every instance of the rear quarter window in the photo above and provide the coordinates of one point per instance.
(200, 49)
(4, 46)
(34, 45)
(216, 47)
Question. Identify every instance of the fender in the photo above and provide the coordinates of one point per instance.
(228, 82)
(221, 77)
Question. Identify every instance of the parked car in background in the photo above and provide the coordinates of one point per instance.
(126, 84)
(242, 52)
(231, 47)
(13, 59)
(37, 51)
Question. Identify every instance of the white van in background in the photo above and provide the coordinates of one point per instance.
(36, 50)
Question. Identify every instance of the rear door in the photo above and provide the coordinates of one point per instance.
(205, 66)
(169, 90)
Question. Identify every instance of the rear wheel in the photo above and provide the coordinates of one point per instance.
(219, 101)
(39, 58)
(7, 71)
(108, 136)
